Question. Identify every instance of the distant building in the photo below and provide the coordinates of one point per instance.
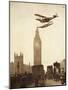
(27, 68)
(17, 67)
(37, 71)
(56, 68)
(11, 69)
(56, 71)
(62, 66)
(18, 63)
(49, 73)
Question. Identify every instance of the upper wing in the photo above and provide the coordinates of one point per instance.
(40, 15)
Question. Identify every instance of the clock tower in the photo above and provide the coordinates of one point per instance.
(37, 48)
(37, 68)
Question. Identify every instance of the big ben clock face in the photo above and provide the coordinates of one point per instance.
(37, 45)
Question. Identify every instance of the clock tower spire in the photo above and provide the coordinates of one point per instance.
(37, 48)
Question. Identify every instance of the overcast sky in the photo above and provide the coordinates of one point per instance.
(22, 31)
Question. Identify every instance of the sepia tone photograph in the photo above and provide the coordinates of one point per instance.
(37, 44)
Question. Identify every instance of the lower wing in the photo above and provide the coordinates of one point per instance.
(39, 20)
(45, 25)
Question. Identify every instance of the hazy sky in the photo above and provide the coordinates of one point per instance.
(22, 31)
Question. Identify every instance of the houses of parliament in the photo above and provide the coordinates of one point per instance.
(18, 67)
